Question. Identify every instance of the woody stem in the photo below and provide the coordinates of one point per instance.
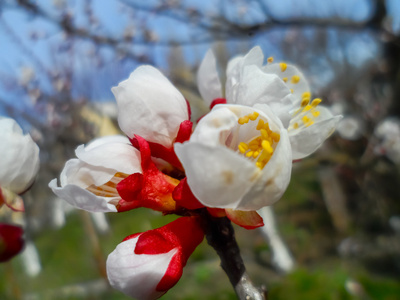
(221, 236)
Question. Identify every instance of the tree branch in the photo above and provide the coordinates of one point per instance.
(221, 236)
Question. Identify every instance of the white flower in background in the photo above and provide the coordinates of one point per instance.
(279, 85)
(238, 157)
(388, 132)
(350, 128)
(19, 162)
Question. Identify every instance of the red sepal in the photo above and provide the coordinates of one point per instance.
(151, 189)
(12, 201)
(184, 197)
(183, 234)
(245, 219)
(168, 154)
(11, 242)
(217, 101)
(216, 212)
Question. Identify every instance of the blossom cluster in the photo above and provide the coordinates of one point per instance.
(236, 160)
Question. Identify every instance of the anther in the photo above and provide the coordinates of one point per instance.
(270, 59)
(243, 147)
(283, 66)
(267, 146)
(295, 79)
(315, 102)
(260, 124)
(254, 116)
(243, 120)
(304, 102)
(315, 113)
(284, 79)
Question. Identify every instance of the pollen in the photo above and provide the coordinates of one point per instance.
(284, 79)
(307, 113)
(295, 79)
(243, 120)
(243, 147)
(270, 59)
(315, 113)
(304, 102)
(253, 116)
(315, 102)
(267, 146)
(261, 147)
(283, 66)
(292, 91)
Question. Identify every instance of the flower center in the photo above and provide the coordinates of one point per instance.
(261, 147)
(108, 189)
(306, 114)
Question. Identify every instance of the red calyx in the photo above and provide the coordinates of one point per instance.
(168, 154)
(184, 197)
(151, 189)
(217, 101)
(183, 234)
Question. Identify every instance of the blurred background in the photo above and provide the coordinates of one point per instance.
(338, 224)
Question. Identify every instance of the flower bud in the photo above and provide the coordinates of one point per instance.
(146, 265)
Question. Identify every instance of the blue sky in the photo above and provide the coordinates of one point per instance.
(114, 17)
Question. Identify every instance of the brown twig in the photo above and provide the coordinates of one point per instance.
(221, 236)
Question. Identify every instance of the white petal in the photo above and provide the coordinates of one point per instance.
(107, 139)
(256, 86)
(137, 275)
(217, 176)
(298, 88)
(305, 141)
(19, 157)
(83, 199)
(84, 175)
(236, 65)
(150, 106)
(208, 79)
(120, 157)
(214, 127)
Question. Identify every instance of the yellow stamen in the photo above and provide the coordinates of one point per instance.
(304, 102)
(284, 79)
(307, 108)
(283, 66)
(305, 119)
(249, 154)
(306, 95)
(295, 79)
(267, 146)
(270, 59)
(254, 116)
(243, 120)
(243, 147)
(315, 113)
(296, 125)
(260, 124)
(315, 102)
(291, 90)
